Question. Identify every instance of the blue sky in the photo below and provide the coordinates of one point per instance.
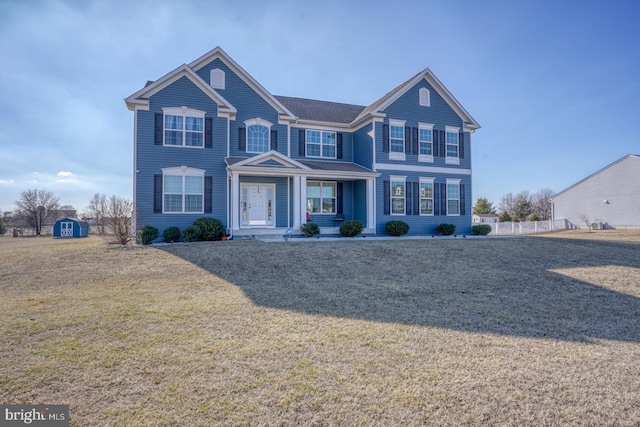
(554, 84)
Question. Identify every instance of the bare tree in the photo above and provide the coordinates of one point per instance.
(97, 210)
(118, 216)
(507, 204)
(541, 203)
(35, 208)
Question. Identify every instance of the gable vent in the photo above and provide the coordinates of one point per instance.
(217, 79)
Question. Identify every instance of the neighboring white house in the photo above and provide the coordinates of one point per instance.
(610, 197)
(485, 218)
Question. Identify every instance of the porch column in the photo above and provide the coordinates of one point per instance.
(371, 203)
(303, 200)
(296, 202)
(235, 202)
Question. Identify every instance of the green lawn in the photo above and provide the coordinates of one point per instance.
(490, 331)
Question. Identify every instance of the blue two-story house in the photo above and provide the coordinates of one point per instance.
(209, 140)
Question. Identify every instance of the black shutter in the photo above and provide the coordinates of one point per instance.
(443, 144)
(301, 142)
(242, 139)
(407, 139)
(385, 138)
(436, 199)
(463, 210)
(159, 129)
(208, 180)
(461, 145)
(274, 140)
(416, 198)
(416, 138)
(443, 199)
(157, 194)
(339, 192)
(386, 185)
(208, 132)
(339, 146)
(408, 198)
(436, 144)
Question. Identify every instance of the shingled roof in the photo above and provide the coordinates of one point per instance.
(321, 111)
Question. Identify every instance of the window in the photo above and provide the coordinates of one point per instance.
(451, 139)
(183, 190)
(321, 144)
(396, 135)
(183, 127)
(257, 135)
(425, 142)
(426, 196)
(397, 195)
(321, 197)
(425, 97)
(453, 197)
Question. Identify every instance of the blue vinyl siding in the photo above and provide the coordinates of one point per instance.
(363, 147)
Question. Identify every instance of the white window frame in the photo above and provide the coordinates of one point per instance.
(426, 158)
(455, 182)
(321, 143)
(182, 171)
(451, 160)
(392, 196)
(424, 180)
(258, 122)
(425, 97)
(396, 155)
(334, 184)
(183, 112)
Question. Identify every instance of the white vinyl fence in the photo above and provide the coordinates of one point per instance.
(528, 227)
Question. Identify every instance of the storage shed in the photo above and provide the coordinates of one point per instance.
(70, 227)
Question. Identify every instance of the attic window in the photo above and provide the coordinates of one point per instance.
(217, 79)
(425, 97)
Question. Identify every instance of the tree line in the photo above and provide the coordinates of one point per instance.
(36, 209)
(523, 206)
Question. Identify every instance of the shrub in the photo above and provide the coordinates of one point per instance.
(148, 234)
(396, 228)
(171, 234)
(446, 229)
(210, 228)
(351, 228)
(480, 230)
(310, 229)
(190, 233)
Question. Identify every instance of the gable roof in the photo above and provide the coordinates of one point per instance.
(628, 156)
(321, 111)
(379, 106)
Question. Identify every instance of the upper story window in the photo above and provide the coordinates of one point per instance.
(258, 132)
(398, 195)
(426, 196)
(451, 139)
(321, 197)
(425, 97)
(396, 140)
(453, 197)
(183, 127)
(321, 144)
(425, 142)
(183, 190)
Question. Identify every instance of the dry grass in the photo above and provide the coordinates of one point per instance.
(514, 331)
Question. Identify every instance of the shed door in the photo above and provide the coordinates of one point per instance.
(66, 229)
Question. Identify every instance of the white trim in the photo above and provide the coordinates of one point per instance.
(452, 160)
(267, 186)
(452, 129)
(306, 144)
(453, 181)
(421, 169)
(397, 178)
(258, 121)
(425, 158)
(427, 180)
(182, 171)
(397, 155)
(183, 112)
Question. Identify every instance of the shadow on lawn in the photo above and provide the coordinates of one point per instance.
(498, 286)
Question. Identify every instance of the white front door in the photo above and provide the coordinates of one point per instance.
(66, 229)
(257, 205)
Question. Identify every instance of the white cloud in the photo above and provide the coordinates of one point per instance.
(63, 173)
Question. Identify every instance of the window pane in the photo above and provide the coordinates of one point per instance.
(257, 139)
(173, 122)
(328, 205)
(426, 206)
(396, 132)
(193, 203)
(397, 189)
(313, 136)
(426, 190)
(453, 191)
(452, 151)
(397, 206)
(193, 184)
(452, 207)
(328, 151)
(313, 150)
(426, 135)
(313, 205)
(328, 189)
(329, 138)
(313, 189)
(172, 137)
(173, 202)
(194, 123)
(173, 184)
(193, 139)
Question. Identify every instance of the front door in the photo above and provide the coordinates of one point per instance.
(66, 229)
(257, 205)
